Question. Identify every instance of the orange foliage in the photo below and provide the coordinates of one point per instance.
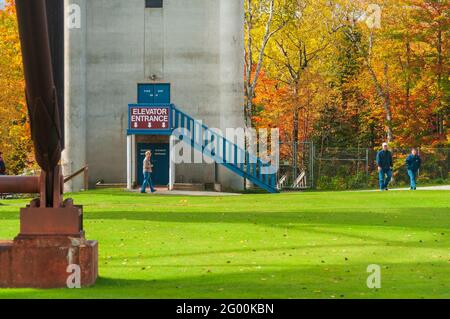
(15, 141)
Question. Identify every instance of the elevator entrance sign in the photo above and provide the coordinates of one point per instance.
(149, 119)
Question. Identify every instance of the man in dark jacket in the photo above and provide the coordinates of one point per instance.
(385, 164)
(2, 165)
(413, 162)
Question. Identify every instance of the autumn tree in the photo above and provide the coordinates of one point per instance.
(15, 142)
(263, 19)
(431, 24)
(305, 38)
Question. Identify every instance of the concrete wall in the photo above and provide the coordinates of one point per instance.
(231, 78)
(196, 45)
(74, 156)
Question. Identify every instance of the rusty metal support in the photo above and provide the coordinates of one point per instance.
(55, 20)
(20, 184)
(40, 89)
(34, 185)
(51, 230)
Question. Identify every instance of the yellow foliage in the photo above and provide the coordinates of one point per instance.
(15, 142)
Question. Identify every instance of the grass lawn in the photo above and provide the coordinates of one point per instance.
(297, 245)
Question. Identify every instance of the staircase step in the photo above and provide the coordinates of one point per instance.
(111, 185)
(189, 187)
(213, 187)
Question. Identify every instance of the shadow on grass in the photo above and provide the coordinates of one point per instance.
(401, 217)
(404, 280)
(425, 218)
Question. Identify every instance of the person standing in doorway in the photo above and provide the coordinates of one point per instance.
(148, 169)
(385, 164)
(413, 163)
(2, 165)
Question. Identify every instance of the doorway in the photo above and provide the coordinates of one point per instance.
(160, 161)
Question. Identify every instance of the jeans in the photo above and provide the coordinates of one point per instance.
(384, 176)
(147, 180)
(413, 178)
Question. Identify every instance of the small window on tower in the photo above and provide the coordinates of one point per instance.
(153, 3)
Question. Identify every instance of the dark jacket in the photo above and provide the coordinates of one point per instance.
(413, 162)
(2, 167)
(384, 159)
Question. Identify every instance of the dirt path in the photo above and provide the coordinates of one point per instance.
(424, 188)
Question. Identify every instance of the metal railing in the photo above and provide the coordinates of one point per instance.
(224, 152)
(84, 171)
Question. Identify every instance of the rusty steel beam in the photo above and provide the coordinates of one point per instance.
(51, 230)
(41, 94)
(20, 184)
(55, 21)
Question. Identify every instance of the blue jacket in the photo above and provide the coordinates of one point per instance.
(2, 167)
(413, 162)
(384, 159)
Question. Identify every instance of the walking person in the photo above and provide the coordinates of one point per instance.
(2, 169)
(385, 165)
(2, 165)
(148, 169)
(413, 163)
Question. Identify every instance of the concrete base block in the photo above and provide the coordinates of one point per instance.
(51, 240)
(42, 261)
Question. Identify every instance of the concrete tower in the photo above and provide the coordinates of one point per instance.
(196, 46)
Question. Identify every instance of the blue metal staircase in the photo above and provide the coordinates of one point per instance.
(223, 151)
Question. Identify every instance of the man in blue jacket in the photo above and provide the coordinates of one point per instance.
(385, 164)
(413, 162)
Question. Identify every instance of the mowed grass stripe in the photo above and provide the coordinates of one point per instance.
(296, 245)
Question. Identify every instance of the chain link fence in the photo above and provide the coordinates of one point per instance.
(296, 172)
(331, 168)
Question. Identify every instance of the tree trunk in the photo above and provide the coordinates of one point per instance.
(295, 128)
(387, 105)
(248, 113)
(440, 112)
(384, 94)
(408, 74)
